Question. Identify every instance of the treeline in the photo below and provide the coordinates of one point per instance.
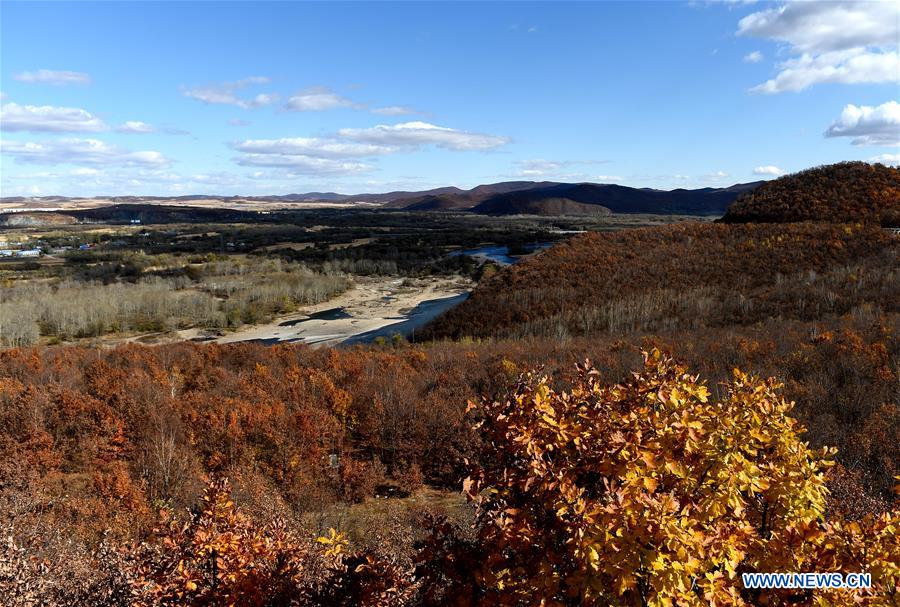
(217, 294)
(683, 276)
(840, 193)
(658, 490)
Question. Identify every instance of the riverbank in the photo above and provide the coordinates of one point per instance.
(373, 307)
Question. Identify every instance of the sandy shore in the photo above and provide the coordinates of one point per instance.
(369, 305)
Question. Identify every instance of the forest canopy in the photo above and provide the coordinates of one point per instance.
(653, 491)
(690, 275)
(842, 193)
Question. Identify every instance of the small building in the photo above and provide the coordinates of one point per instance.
(28, 253)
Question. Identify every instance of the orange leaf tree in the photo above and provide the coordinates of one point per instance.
(652, 492)
(221, 557)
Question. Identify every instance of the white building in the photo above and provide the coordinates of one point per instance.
(28, 253)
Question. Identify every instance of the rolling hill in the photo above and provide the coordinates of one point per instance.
(614, 198)
(447, 199)
(682, 276)
(844, 192)
(552, 198)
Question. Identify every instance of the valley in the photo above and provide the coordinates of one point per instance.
(223, 275)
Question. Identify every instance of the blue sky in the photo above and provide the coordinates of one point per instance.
(253, 98)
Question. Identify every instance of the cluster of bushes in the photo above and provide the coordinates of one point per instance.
(653, 491)
(152, 423)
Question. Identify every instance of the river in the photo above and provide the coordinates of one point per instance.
(373, 307)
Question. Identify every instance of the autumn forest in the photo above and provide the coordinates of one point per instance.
(632, 416)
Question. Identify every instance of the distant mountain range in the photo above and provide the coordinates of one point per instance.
(581, 198)
(504, 198)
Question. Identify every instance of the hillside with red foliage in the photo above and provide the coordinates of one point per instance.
(102, 452)
(120, 432)
(688, 275)
(843, 192)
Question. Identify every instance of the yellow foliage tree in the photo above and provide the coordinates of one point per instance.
(653, 493)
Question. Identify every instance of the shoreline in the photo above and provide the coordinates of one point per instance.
(370, 307)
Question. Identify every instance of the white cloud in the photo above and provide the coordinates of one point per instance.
(888, 159)
(46, 118)
(80, 152)
(715, 176)
(416, 134)
(879, 126)
(136, 126)
(541, 167)
(226, 93)
(304, 165)
(53, 77)
(264, 99)
(249, 81)
(130, 180)
(312, 146)
(754, 57)
(832, 42)
(394, 110)
(826, 26)
(309, 155)
(76, 172)
(851, 66)
(84, 172)
(15, 117)
(317, 99)
(768, 170)
(336, 155)
(553, 168)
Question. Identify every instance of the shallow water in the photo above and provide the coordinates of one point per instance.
(500, 254)
(329, 314)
